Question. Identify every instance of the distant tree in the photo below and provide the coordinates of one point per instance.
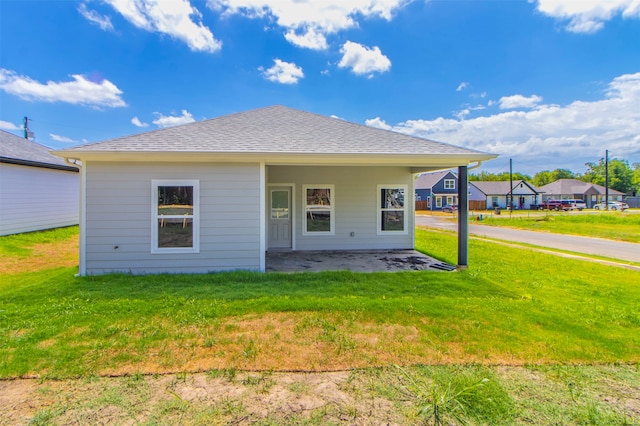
(503, 176)
(483, 176)
(620, 174)
(545, 177)
(636, 178)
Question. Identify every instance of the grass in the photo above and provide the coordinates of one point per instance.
(571, 328)
(612, 225)
(546, 309)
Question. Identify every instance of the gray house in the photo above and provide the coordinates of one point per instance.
(37, 190)
(590, 193)
(216, 195)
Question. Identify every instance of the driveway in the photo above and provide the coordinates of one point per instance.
(587, 245)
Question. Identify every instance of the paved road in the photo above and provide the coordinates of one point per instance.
(593, 246)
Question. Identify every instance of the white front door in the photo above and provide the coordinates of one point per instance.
(279, 217)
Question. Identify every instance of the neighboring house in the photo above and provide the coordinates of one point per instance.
(497, 194)
(215, 195)
(37, 190)
(439, 189)
(590, 193)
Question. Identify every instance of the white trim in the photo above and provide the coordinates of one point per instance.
(82, 261)
(263, 217)
(438, 202)
(155, 183)
(332, 209)
(452, 181)
(379, 209)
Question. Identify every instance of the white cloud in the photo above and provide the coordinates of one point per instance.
(136, 122)
(519, 101)
(378, 123)
(104, 22)
(588, 16)
(59, 138)
(310, 39)
(80, 90)
(309, 22)
(549, 136)
(462, 86)
(170, 121)
(173, 18)
(362, 60)
(283, 72)
(6, 125)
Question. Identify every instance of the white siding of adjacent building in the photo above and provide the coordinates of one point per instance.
(356, 209)
(36, 198)
(119, 212)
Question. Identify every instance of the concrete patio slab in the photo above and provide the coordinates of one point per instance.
(353, 260)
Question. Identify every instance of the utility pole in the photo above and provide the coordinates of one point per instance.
(606, 179)
(510, 185)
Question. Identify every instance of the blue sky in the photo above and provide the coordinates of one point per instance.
(548, 83)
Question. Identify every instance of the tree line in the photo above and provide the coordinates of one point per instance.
(622, 176)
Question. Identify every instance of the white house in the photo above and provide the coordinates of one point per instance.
(216, 195)
(37, 190)
(497, 193)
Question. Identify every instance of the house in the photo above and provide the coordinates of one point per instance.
(497, 194)
(215, 195)
(37, 190)
(438, 189)
(590, 193)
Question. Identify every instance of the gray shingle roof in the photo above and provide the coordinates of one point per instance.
(574, 186)
(275, 129)
(17, 150)
(427, 180)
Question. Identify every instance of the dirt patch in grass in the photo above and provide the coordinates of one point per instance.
(288, 341)
(43, 256)
(357, 397)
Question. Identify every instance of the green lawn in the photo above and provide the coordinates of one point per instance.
(573, 325)
(612, 225)
(513, 306)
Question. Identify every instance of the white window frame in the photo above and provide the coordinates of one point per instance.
(331, 209)
(438, 202)
(405, 209)
(195, 217)
(449, 184)
(451, 200)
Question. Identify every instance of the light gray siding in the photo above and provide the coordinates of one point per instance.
(119, 218)
(36, 198)
(355, 205)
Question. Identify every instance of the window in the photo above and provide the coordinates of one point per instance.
(451, 200)
(449, 184)
(319, 205)
(438, 202)
(175, 216)
(392, 214)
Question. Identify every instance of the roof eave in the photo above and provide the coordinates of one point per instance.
(423, 162)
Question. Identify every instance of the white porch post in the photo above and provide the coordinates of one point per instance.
(263, 217)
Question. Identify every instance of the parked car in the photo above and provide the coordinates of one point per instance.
(613, 205)
(554, 205)
(576, 204)
(450, 208)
